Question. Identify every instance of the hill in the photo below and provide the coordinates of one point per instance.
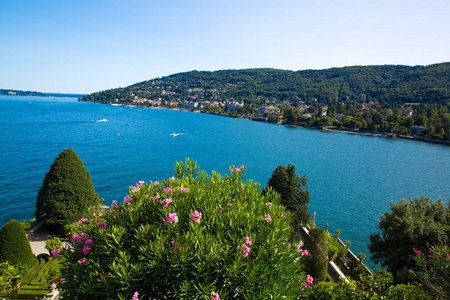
(393, 84)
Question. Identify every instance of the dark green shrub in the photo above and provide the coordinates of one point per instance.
(14, 245)
(317, 264)
(66, 193)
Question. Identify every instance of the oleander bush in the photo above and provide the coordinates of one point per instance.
(193, 236)
(14, 245)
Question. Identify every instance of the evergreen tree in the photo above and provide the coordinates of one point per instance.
(293, 192)
(67, 192)
(14, 245)
(317, 264)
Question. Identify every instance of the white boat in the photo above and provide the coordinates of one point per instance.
(102, 120)
(174, 134)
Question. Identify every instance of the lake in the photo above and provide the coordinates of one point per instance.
(351, 178)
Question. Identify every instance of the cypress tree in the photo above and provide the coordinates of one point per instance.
(14, 245)
(66, 193)
(317, 264)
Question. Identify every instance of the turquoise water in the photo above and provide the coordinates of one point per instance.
(352, 178)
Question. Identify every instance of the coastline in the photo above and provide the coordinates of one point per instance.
(331, 129)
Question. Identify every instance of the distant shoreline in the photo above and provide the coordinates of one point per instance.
(331, 129)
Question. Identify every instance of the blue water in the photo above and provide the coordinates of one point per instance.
(352, 178)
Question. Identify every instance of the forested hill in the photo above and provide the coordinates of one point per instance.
(392, 84)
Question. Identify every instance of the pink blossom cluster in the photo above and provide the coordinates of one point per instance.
(245, 247)
(134, 189)
(135, 296)
(155, 198)
(102, 225)
(233, 168)
(172, 179)
(82, 261)
(196, 216)
(82, 221)
(303, 252)
(55, 252)
(309, 282)
(140, 183)
(156, 183)
(87, 247)
(172, 217)
(183, 189)
(166, 202)
(168, 190)
(79, 238)
(127, 199)
(268, 218)
(269, 203)
(418, 252)
(114, 202)
(215, 296)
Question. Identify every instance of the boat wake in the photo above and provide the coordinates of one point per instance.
(177, 134)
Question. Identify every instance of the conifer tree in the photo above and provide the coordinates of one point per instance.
(293, 192)
(67, 192)
(14, 245)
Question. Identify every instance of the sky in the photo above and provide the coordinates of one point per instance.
(89, 46)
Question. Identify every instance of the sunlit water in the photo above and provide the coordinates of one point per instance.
(352, 178)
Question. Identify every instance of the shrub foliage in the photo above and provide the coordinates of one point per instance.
(186, 238)
(14, 245)
(67, 192)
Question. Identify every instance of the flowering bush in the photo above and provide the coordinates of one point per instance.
(213, 238)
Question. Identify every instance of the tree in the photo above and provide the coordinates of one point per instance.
(67, 192)
(293, 192)
(414, 224)
(14, 245)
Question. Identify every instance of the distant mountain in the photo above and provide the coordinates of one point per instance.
(38, 94)
(393, 84)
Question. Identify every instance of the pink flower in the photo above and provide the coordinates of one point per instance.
(156, 183)
(246, 249)
(196, 216)
(102, 225)
(80, 238)
(82, 261)
(127, 199)
(233, 200)
(86, 250)
(172, 217)
(305, 253)
(88, 242)
(175, 245)
(114, 202)
(215, 296)
(248, 240)
(268, 218)
(135, 296)
(172, 179)
(309, 279)
(140, 183)
(220, 206)
(167, 190)
(186, 190)
(155, 198)
(448, 255)
(269, 203)
(55, 252)
(82, 221)
(134, 190)
(166, 202)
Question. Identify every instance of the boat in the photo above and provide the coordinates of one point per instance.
(102, 120)
(174, 134)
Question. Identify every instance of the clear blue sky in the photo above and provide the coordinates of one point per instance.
(88, 46)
